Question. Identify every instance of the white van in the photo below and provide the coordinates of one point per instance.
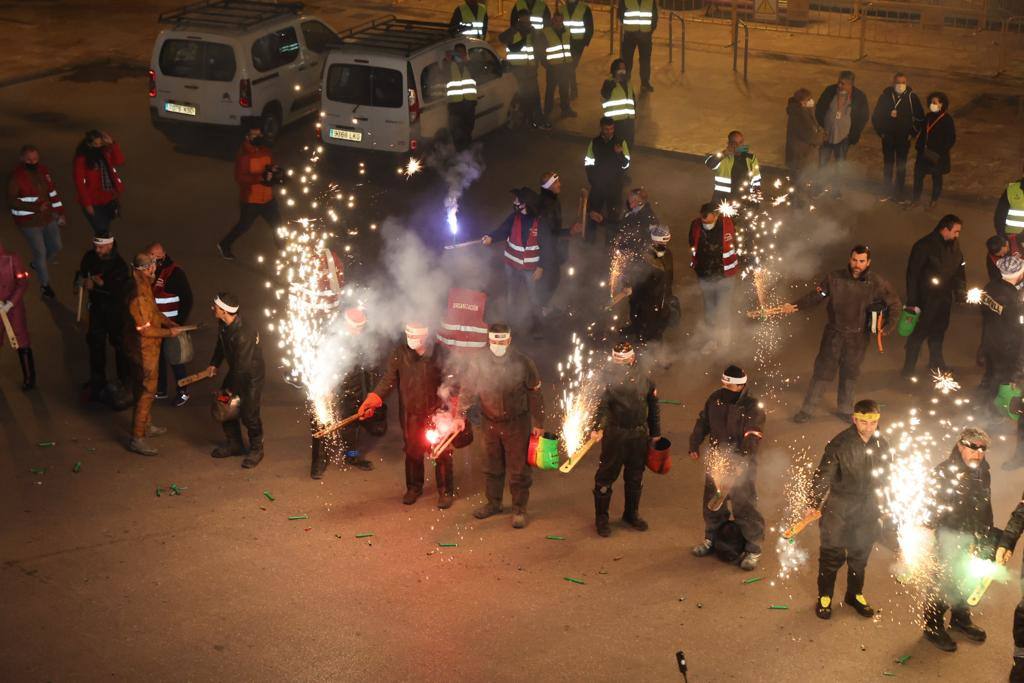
(222, 60)
(383, 87)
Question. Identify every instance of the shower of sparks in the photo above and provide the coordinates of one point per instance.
(412, 167)
(451, 205)
(580, 396)
(944, 382)
(616, 269)
(727, 208)
(724, 467)
(974, 295)
(797, 496)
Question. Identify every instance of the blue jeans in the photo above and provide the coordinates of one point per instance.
(44, 243)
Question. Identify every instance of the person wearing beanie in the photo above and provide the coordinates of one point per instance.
(849, 474)
(416, 367)
(859, 303)
(104, 275)
(13, 283)
(963, 531)
(148, 328)
(344, 402)
(732, 421)
(1001, 329)
(649, 280)
(628, 423)
(238, 343)
(506, 384)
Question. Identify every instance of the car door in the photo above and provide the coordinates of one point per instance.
(278, 64)
(366, 103)
(491, 109)
(196, 80)
(434, 107)
(317, 38)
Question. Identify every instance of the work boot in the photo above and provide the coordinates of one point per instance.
(317, 463)
(28, 369)
(749, 561)
(802, 417)
(631, 515)
(488, 509)
(255, 455)
(518, 518)
(936, 633)
(231, 448)
(704, 548)
(602, 501)
(823, 607)
(968, 628)
(48, 293)
(860, 603)
(153, 430)
(411, 496)
(444, 500)
(225, 251)
(181, 400)
(646, 87)
(357, 461)
(1017, 672)
(141, 446)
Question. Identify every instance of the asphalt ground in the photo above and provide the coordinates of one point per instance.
(104, 579)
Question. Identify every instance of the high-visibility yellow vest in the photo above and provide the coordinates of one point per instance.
(524, 56)
(590, 160)
(574, 20)
(621, 103)
(723, 173)
(470, 24)
(536, 12)
(461, 86)
(1015, 217)
(558, 48)
(638, 15)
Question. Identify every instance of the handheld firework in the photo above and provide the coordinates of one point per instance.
(579, 402)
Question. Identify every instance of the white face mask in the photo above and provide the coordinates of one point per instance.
(935, 108)
(498, 350)
(414, 343)
(659, 250)
(809, 103)
(900, 88)
(707, 226)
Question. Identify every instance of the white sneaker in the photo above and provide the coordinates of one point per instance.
(704, 549)
(749, 561)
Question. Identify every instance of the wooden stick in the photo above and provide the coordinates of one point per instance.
(718, 500)
(336, 426)
(190, 328)
(192, 379)
(619, 297)
(441, 447)
(767, 312)
(578, 455)
(11, 337)
(78, 313)
(979, 592)
(460, 245)
(802, 524)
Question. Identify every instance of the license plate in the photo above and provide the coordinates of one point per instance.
(341, 134)
(186, 109)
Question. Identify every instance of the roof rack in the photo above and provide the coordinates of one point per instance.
(233, 14)
(404, 36)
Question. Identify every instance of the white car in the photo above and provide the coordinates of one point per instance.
(383, 87)
(223, 60)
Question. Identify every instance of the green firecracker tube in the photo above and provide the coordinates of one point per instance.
(365, 534)
(778, 607)
(447, 545)
(573, 580)
(267, 494)
(555, 538)
(77, 468)
(670, 402)
(293, 518)
(38, 470)
(47, 444)
(753, 580)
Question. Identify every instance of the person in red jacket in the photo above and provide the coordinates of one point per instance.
(38, 212)
(13, 283)
(256, 175)
(97, 182)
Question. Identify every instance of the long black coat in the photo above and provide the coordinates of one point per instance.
(939, 139)
(803, 138)
(1001, 333)
(936, 271)
(908, 119)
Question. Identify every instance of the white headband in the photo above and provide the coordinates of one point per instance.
(499, 336)
(224, 307)
(734, 380)
(415, 330)
(103, 240)
(623, 355)
(551, 181)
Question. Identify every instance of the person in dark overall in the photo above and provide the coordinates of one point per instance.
(104, 275)
(650, 281)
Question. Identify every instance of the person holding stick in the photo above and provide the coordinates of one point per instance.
(104, 274)
(13, 284)
(733, 423)
(627, 423)
(848, 474)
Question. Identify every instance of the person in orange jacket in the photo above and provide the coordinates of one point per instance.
(146, 330)
(256, 175)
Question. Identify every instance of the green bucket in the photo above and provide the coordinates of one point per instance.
(1007, 392)
(908, 321)
(543, 453)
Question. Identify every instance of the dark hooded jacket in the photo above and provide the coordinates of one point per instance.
(936, 271)
(847, 475)
(629, 401)
(735, 420)
(850, 300)
(963, 496)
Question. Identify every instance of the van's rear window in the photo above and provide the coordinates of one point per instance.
(197, 59)
(370, 86)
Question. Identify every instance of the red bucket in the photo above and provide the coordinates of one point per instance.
(659, 456)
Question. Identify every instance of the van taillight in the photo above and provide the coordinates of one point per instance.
(413, 144)
(414, 106)
(244, 93)
(152, 83)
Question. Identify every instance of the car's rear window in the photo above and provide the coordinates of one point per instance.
(197, 59)
(370, 86)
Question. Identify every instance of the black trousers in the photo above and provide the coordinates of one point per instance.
(742, 498)
(606, 199)
(507, 445)
(102, 216)
(576, 48)
(931, 326)
(558, 76)
(622, 451)
(626, 129)
(251, 394)
(633, 40)
(832, 558)
(1018, 622)
(528, 90)
(922, 170)
(894, 164)
(416, 447)
(161, 378)
(248, 213)
(106, 325)
(842, 352)
(461, 121)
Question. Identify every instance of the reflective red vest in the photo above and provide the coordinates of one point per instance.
(730, 259)
(167, 302)
(32, 194)
(463, 326)
(523, 252)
